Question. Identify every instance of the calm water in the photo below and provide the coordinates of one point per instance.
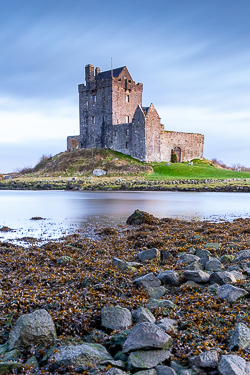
(64, 211)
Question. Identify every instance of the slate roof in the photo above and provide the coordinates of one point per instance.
(107, 74)
(145, 109)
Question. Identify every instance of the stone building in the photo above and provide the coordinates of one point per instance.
(112, 116)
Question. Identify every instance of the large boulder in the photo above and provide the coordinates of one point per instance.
(187, 259)
(223, 277)
(147, 281)
(197, 276)
(203, 253)
(156, 292)
(240, 337)
(32, 329)
(154, 303)
(213, 265)
(149, 254)
(115, 317)
(230, 293)
(143, 315)
(141, 217)
(98, 172)
(169, 277)
(146, 359)
(233, 365)
(79, 355)
(144, 336)
(208, 359)
(242, 256)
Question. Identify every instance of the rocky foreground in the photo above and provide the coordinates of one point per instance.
(152, 297)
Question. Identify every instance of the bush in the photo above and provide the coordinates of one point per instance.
(173, 157)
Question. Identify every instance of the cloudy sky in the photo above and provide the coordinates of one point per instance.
(192, 56)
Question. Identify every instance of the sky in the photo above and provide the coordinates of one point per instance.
(192, 56)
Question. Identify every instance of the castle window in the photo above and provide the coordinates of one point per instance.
(116, 132)
(93, 119)
(127, 131)
(127, 119)
(126, 144)
(127, 98)
(94, 98)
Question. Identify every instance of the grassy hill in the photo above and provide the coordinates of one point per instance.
(82, 163)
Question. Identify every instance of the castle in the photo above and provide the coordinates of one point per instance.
(112, 116)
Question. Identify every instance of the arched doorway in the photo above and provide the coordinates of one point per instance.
(177, 152)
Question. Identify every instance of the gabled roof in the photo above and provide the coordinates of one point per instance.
(115, 73)
(145, 110)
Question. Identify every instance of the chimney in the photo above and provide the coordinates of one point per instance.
(89, 72)
(97, 71)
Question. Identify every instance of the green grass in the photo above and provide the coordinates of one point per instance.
(200, 170)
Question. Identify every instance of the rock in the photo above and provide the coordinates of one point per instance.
(213, 265)
(177, 366)
(115, 317)
(208, 359)
(156, 292)
(197, 276)
(32, 329)
(213, 288)
(165, 370)
(149, 254)
(230, 293)
(222, 277)
(79, 355)
(98, 172)
(240, 337)
(114, 363)
(147, 281)
(123, 265)
(152, 371)
(242, 255)
(11, 356)
(233, 365)
(141, 359)
(141, 217)
(65, 259)
(238, 275)
(248, 271)
(32, 362)
(167, 324)
(165, 255)
(192, 284)
(197, 265)
(145, 336)
(234, 267)
(8, 367)
(155, 303)
(212, 245)
(115, 371)
(169, 277)
(227, 258)
(203, 253)
(187, 259)
(143, 315)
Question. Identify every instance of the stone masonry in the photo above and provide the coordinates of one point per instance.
(112, 116)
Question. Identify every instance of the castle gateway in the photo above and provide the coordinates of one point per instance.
(112, 116)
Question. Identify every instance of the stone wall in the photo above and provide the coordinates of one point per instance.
(191, 145)
(152, 135)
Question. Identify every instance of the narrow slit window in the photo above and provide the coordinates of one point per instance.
(127, 98)
(93, 119)
(126, 144)
(94, 98)
(127, 119)
(116, 132)
(127, 132)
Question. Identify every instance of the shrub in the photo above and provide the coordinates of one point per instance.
(173, 157)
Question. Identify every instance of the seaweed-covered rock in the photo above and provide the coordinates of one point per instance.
(242, 256)
(156, 292)
(36, 328)
(144, 336)
(141, 217)
(154, 303)
(64, 260)
(167, 324)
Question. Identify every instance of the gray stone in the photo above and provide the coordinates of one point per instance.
(115, 317)
(147, 281)
(36, 328)
(208, 359)
(156, 292)
(222, 277)
(145, 336)
(227, 258)
(212, 245)
(233, 365)
(192, 284)
(213, 265)
(79, 355)
(98, 172)
(114, 363)
(115, 371)
(8, 367)
(155, 303)
(149, 255)
(165, 370)
(238, 275)
(143, 315)
(152, 371)
(197, 276)
(11, 356)
(197, 265)
(169, 277)
(123, 265)
(213, 288)
(242, 255)
(165, 255)
(234, 267)
(32, 362)
(65, 259)
(167, 324)
(142, 359)
(248, 271)
(187, 258)
(240, 337)
(230, 292)
(203, 253)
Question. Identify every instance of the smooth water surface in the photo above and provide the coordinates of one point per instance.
(65, 211)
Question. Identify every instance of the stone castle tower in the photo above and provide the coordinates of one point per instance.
(112, 116)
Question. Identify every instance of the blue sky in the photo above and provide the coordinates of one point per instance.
(192, 56)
